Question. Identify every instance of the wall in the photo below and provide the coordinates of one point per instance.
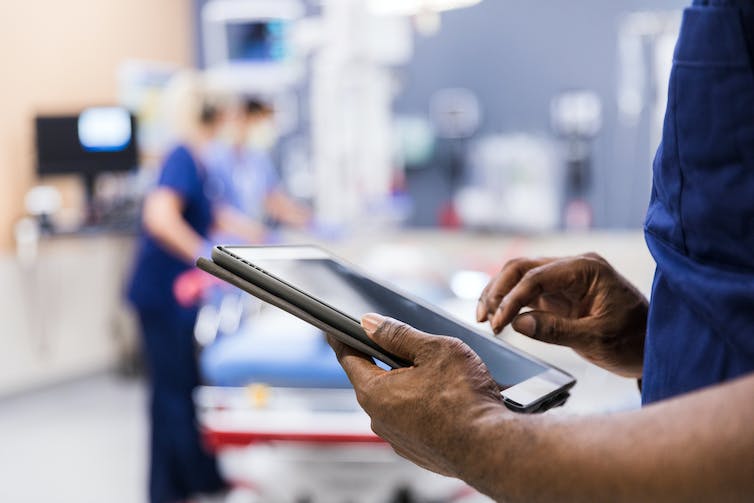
(59, 56)
(515, 55)
(63, 315)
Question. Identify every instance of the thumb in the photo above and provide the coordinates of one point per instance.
(553, 329)
(394, 336)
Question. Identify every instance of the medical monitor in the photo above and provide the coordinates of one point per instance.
(97, 140)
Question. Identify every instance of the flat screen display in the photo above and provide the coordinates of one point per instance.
(355, 295)
(99, 139)
(257, 41)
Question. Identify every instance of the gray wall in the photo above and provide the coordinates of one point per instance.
(516, 54)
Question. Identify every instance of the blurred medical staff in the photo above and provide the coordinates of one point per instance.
(242, 172)
(178, 217)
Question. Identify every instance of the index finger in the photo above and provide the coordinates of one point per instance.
(503, 282)
(547, 278)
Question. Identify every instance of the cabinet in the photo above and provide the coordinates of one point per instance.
(62, 316)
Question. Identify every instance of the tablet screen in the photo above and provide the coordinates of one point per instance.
(353, 294)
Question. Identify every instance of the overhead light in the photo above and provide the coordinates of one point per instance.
(413, 7)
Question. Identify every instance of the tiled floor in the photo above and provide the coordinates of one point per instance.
(79, 442)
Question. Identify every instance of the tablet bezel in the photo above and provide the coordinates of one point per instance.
(549, 388)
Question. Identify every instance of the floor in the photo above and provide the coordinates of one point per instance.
(83, 441)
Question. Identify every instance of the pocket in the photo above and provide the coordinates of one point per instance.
(711, 117)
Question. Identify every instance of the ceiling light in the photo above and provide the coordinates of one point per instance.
(413, 7)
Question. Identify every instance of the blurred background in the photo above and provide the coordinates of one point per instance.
(426, 141)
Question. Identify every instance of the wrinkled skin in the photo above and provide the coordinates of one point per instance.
(426, 411)
(444, 412)
(581, 302)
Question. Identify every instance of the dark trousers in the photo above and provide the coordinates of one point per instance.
(179, 465)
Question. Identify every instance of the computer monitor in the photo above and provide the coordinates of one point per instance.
(97, 140)
(257, 41)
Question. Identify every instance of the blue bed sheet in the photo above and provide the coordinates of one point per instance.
(277, 355)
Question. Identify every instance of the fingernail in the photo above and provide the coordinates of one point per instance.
(371, 321)
(481, 311)
(525, 324)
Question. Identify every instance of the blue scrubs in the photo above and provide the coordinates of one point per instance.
(179, 466)
(700, 223)
(242, 180)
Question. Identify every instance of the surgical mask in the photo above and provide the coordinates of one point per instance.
(227, 135)
(262, 136)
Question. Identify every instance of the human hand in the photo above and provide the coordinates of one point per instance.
(190, 287)
(580, 302)
(428, 412)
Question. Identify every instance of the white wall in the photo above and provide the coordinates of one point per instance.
(63, 316)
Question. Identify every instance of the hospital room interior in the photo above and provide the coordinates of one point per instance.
(423, 143)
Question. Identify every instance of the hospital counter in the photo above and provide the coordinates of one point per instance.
(62, 313)
(625, 249)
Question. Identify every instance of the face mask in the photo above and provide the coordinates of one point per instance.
(262, 136)
(227, 134)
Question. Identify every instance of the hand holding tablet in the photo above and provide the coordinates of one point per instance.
(311, 284)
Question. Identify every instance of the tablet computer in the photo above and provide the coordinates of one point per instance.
(332, 295)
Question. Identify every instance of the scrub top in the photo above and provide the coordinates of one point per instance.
(700, 222)
(242, 179)
(156, 268)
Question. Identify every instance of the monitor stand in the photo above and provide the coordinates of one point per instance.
(92, 214)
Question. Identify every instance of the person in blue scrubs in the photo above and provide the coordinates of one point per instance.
(178, 217)
(691, 347)
(242, 174)
(179, 465)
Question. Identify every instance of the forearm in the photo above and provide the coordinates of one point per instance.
(699, 447)
(231, 221)
(163, 220)
(287, 211)
(180, 239)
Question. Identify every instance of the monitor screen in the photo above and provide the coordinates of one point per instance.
(99, 139)
(256, 42)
